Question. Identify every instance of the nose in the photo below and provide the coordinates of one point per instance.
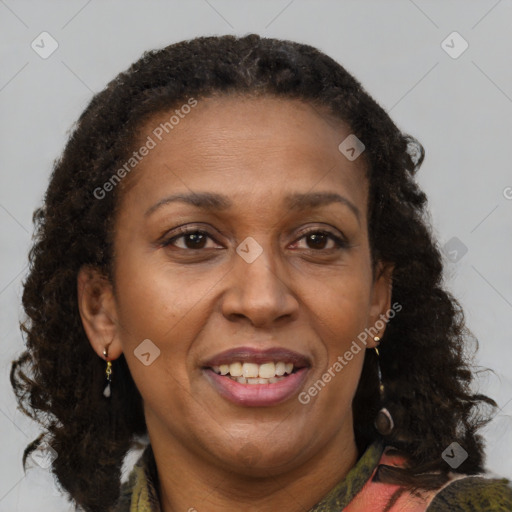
(259, 293)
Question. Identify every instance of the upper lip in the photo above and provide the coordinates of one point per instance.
(258, 356)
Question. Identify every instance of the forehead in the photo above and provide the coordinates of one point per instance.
(260, 146)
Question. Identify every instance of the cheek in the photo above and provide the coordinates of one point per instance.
(339, 303)
(169, 309)
(157, 303)
(338, 308)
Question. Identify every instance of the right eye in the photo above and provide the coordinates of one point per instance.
(190, 240)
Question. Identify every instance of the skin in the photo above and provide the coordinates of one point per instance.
(194, 303)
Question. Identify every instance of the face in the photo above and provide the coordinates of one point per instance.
(242, 240)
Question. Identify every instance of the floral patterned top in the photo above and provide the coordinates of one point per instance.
(357, 492)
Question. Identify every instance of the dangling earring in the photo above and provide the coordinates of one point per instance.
(384, 421)
(108, 373)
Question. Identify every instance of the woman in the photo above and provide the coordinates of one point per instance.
(233, 258)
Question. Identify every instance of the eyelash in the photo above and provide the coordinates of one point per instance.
(339, 242)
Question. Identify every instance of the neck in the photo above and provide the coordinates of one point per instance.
(188, 482)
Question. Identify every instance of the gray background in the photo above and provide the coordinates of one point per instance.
(459, 108)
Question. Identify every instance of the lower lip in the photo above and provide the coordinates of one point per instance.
(257, 395)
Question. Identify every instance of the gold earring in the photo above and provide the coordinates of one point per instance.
(108, 373)
(377, 340)
(384, 421)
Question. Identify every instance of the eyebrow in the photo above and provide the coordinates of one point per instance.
(216, 202)
(318, 199)
(204, 200)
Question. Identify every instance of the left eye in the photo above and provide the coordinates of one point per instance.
(319, 240)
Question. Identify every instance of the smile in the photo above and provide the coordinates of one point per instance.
(253, 373)
(256, 377)
(258, 391)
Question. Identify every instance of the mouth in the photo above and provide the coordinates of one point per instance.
(255, 378)
(254, 373)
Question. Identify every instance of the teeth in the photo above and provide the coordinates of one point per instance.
(280, 368)
(235, 369)
(253, 373)
(250, 370)
(267, 370)
(259, 380)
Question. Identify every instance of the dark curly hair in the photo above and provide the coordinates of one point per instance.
(59, 380)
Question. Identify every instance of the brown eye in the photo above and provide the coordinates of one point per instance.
(191, 240)
(194, 240)
(320, 240)
(317, 240)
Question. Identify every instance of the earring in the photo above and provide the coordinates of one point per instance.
(384, 421)
(108, 373)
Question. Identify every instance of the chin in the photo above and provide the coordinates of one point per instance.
(254, 460)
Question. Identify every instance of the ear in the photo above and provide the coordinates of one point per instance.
(97, 307)
(380, 300)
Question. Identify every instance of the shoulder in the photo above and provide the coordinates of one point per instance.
(139, 492)
(474, 494)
